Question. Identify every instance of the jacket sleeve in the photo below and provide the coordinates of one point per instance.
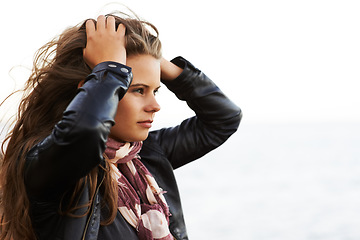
(77, 141)
(217, 118)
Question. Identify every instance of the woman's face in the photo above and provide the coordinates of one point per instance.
(136, 110)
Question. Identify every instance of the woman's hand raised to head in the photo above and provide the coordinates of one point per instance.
(104, 42)
(169, 71)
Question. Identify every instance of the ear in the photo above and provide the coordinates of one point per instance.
(81, 83)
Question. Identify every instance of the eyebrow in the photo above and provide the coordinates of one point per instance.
(141, 85)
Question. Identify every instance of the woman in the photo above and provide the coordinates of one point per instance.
(80, 162)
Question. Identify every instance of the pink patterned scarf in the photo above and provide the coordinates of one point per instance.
(140, 199)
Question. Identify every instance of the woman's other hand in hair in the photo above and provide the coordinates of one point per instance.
(169, 71)
(104, 41)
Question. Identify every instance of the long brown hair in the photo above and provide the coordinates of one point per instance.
(58, 68)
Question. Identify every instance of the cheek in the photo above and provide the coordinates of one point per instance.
(124, 108)
(127, 110)
(122, 127)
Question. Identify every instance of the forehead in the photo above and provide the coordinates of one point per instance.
(145, 69)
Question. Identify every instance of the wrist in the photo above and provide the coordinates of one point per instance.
(169, 71)
(114, 66)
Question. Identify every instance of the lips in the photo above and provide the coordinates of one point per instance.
(146, 124)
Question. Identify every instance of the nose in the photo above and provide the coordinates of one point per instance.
(153, 105)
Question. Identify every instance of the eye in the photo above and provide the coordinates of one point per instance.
(156, 92)
(139, 90)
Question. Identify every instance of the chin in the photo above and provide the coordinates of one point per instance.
(139, 138)
(143, 138)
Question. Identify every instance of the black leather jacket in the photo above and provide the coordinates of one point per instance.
(77, 143)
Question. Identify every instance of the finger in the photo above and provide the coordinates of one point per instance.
(100, 23)
(121, 29)
(90, 27)
(110, 23)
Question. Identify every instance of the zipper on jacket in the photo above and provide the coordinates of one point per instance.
(92, 208)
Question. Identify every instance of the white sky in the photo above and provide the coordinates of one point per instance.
(280, 60)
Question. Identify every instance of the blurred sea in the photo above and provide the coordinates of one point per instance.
(276, 182)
